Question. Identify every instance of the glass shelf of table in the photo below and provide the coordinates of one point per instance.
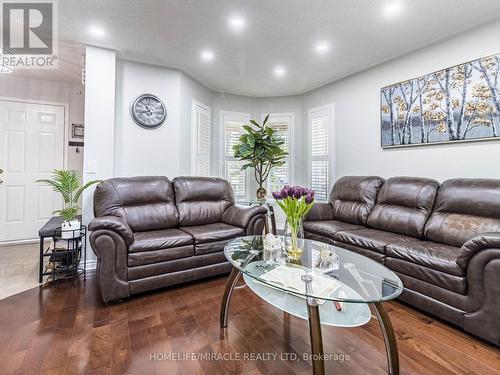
(350, 315)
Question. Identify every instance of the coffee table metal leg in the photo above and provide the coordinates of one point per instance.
(316, 338)
(314, 328)
(391, 346)
(234, 276)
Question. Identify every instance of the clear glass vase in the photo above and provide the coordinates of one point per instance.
(294, 238)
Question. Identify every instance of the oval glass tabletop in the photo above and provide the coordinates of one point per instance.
(333, 273)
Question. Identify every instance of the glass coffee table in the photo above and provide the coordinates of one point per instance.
(329, 285)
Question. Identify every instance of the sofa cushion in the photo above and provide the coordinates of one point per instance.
(437, 292)
(403, 205)
(177, 265)
(457, 284)
(464, 208)
(328, 228)
(353, 197)
(157, 256)
(371, 239)
(213, 232)
(376, 256)
(211, 247)
(202, 200)
(159, 239)
(143, 203)
(428, 254)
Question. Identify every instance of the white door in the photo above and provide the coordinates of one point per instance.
(31, 146)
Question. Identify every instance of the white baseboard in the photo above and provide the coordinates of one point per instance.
(19, 242)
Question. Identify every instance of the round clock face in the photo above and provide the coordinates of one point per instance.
(148, 111)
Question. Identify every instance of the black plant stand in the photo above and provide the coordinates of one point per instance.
(63, 259)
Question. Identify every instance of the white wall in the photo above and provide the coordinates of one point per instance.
(357, 123)
(140, 151)
(99, 120)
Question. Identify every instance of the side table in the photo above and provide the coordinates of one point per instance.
(64, 261)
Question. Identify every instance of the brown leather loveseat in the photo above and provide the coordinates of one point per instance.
(442, 240)
(151, 233)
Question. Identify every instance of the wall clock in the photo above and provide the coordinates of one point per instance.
(148, 111)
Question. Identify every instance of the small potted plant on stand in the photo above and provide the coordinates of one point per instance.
(261, 149)
(68, 184)
(296, 202)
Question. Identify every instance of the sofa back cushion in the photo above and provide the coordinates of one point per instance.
(403, 205)
(201, 200)
(144, 203)
(464, 208)
(353, 197)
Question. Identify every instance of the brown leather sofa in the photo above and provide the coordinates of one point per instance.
(151, 233)
(442, 240)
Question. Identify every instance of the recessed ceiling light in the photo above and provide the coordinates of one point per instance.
(393, 8)
(236, 22)
(97, 31)
(207, 55)
(279, 71)
(322, 47)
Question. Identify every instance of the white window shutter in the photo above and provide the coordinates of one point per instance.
(232, 123)
(319, 137)
(201, 126)
(282, 124)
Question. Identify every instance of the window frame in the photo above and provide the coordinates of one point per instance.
(194, 137)
(291, 142)
(330, 110)
(243, 117)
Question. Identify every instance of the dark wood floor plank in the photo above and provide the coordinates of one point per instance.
(69, 330)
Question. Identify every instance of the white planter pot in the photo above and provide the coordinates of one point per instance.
(70, 229)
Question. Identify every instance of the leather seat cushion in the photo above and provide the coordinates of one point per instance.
(211, 247)
(159, 239)
(372, 239)
(328, 228)
(213, 232)
(174, 265)
(457, 284)
(428, 254)
(163, 255)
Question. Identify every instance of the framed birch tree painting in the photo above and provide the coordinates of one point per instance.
(460, 103)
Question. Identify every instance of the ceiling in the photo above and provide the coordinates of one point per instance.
(70, 62)
(360, 33)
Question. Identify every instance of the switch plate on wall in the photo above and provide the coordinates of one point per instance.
(91, 166)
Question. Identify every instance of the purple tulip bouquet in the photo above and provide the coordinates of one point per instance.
(296, 202)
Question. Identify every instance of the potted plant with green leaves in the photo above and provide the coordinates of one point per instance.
(262, 149)
(67, 183)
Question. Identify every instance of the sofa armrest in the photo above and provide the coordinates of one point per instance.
(240, 216)
(114, 224)
(319, 212)
(476, 244)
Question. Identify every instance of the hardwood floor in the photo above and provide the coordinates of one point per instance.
(68, 330)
